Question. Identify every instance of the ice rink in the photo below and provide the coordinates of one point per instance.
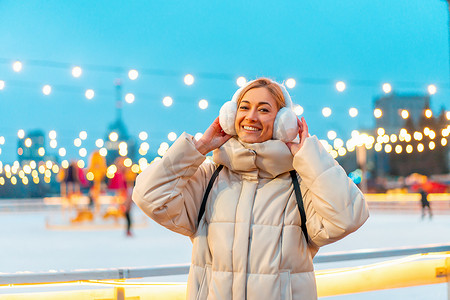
(27, 244)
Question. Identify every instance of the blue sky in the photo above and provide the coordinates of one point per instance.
(363, 43)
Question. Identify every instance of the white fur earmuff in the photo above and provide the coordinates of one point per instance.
(285, 127)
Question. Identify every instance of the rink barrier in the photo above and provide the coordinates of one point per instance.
(414, 270)
(182, 269)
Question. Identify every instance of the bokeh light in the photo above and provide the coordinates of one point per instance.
(167, 101)
(133, 74)
(189, 79)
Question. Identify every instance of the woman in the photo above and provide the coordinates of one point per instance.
(249, 243)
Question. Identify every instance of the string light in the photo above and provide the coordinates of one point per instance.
(298, 110)
(428, 113)
(387, 148)
(52, 134)
(431, 145)
(83, 135)
(353, 112)
(432, 89)
(203, 104)
(387, 88)
(46, 89)
(189, 79)
(398, 149)
(113, 136)
(143, 135)
(331, 135)
(326, 112)
(167, 101)
(133, 74)
(76, 71)
(405, 114)
(340, 86)
(381, 131)
(17, 66)
(89, 94)
(241, 81)
(420, 147)
(62, 152)
(377, 113)
(129, 98)
(172, 136)
(290, 83)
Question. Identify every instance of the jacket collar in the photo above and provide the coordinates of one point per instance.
(267, 160)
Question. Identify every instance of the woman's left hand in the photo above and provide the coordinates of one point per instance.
(302, 133)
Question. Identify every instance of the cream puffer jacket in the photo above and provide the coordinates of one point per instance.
(249, 244)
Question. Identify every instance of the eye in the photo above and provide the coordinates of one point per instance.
(264, 110)
(243, 107)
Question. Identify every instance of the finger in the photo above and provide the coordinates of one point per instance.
(300, 125)
(305, 126)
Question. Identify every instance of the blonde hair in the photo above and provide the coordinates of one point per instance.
(270, 85)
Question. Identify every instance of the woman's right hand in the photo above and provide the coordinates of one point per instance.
(213, 138)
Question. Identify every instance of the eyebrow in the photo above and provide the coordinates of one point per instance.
(259, 103)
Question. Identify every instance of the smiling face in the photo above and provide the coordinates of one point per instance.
(255, 116)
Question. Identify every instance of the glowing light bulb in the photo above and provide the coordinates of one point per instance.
(46, 89)
(387, 88)
(133, 74)
(428, 113)
(167, 101)
(405, 114)
(52, 134)
(89, 94)
(377, 113)
(290, 83)
(129, 98)
(241, 81)
(326, 112)
(143, 135)
(189, 79)
(340, 86)
(353, 112)
(331, 135)
(113, 136)
(432, 89)
(83, 135)
(17, 66)
(76, 71)
(298, 110)
(99, 143)
(203, 104)
(381, 131)
(28, 142)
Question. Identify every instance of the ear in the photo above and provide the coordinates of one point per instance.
(227, 117)
(285, 127)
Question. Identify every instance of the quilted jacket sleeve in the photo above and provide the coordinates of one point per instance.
(170, 190)
(334, 205)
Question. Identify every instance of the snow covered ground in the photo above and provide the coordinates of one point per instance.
(28, 245)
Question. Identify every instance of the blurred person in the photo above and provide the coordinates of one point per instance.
(425, 203)
(122, 183)
(257, 234)
(97, 167)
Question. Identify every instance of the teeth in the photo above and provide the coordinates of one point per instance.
(250, 128)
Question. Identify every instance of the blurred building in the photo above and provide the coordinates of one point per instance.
(423, 144)
(117, 140)
(392, 106)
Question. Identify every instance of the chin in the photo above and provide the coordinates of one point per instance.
(252, 139)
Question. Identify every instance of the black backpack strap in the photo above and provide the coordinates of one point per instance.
(208, 189)
(298, 196)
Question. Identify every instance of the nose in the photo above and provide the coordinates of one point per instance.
(252, 115)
